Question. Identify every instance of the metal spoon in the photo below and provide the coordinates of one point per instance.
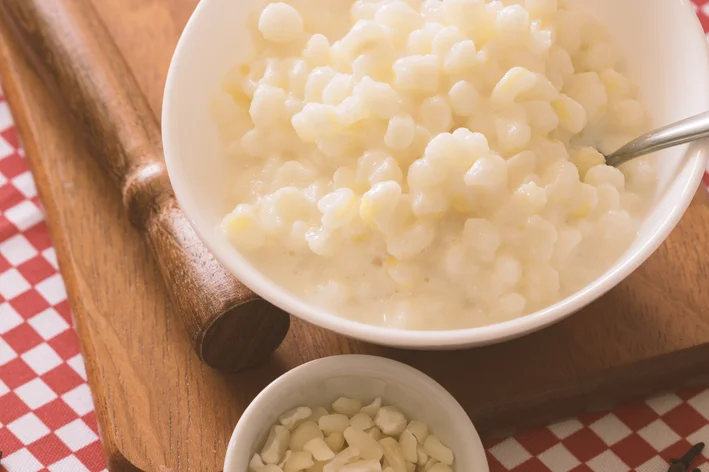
(681, 132)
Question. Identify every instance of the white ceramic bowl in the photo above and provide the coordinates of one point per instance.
(667, 57)
(320, 382)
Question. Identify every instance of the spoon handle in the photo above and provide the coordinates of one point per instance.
(681, 132)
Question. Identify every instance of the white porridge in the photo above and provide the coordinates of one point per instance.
(431, 164)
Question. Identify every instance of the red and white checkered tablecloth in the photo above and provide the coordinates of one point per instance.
(47, 417)
(47, 420)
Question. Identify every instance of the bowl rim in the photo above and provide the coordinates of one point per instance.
(355, 361)
(695, 155)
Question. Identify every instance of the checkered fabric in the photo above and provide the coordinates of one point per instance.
(702, 9)
(47, 420)
(640, 435)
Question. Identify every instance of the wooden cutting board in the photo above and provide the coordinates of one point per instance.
(160, 409)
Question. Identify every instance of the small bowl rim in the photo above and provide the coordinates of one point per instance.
(695, 156)
(370, 362)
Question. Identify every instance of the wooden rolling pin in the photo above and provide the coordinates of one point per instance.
(229, 326)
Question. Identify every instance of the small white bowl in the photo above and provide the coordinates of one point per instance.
(666, 55)
(321, 382)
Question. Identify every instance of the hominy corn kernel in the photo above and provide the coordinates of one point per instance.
(421, 456)
(515, 82)
(419, 430)
(436, 114)
(335, 423)
(542, 117)
(399, 15)
(603, 174)
(408, 243)
(267, 105)
(302, 434)
(361, 421)
(335, 441)
(375, 433)
(276, 445)
(380, 98)
(434, 448)
(318, 79)
(317, 51)
(429, 465)
(319, 449)
(243, 228)
(572, 115)
(459, 59)
(400, 132)
(408, 444)
(286, 456)
(488, 172)
(513, 23)
(298, 461)
(367, 446)
(292, 418)
(617, 85)
(341, 459)
(420, 41)
(589, 91)
(347, 406)
(362, 466)
(419, 73)
(393, 454)
(390, 420)
(444, 40)
(256, 464)
(317, 413)
(464, 98)
(280, 23)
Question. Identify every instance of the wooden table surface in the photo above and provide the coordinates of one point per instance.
(161, 409)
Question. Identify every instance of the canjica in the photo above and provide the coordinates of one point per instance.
(431, 164)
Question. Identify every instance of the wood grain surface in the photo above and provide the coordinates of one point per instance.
(230, 327)
(161, 409)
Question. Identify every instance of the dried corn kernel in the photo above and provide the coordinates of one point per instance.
(347, 406)
(419, 430)
(437, 450)
(319, 449)
(299, 461)
(303, 433)
(393, 454)
(335, 441)
(276, 445)
(407, 441)
(368, 447)
(292, 418)
(335, 423)
(361, 421)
